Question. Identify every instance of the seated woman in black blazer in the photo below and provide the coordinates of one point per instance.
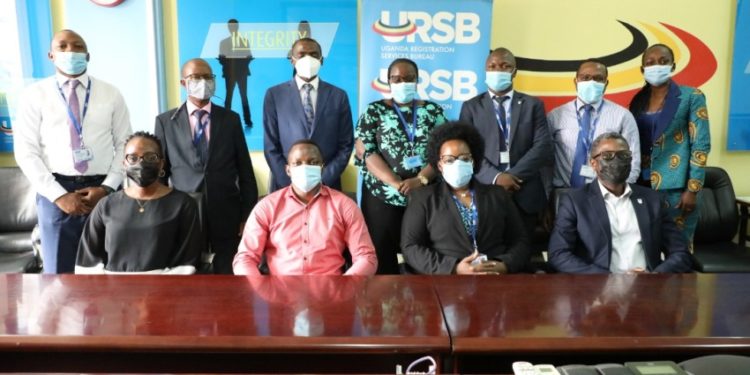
(458, 225)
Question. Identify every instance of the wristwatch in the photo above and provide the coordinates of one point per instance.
(423, 180)
(108, 190)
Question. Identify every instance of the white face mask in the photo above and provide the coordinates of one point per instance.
(307, 67)
(200, 88)
(305, 177)
(458, 174)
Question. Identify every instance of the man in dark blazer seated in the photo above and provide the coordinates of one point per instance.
(612, 226)
(205, 152)
(307, 108)
(516, 137)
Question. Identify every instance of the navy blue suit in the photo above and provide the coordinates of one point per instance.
(284, 123)
(581, 241)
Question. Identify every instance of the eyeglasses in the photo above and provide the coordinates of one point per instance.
(450, 159)
(196, 77)
(609, 155)
(149, 157)
(587, 77)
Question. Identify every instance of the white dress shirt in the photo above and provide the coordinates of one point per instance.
(627, 248)
(313, 93)
(41, 134)
(610, 117)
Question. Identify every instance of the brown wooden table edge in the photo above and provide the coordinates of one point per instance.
(248, 344)
(503, 345)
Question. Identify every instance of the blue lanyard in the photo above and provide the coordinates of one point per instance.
(76, 124)
(503, 128)
(411, 132)
(474, 217)
(588, 138)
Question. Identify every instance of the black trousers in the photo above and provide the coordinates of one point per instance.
(384, 224)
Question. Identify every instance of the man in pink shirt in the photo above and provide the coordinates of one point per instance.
(304, 228)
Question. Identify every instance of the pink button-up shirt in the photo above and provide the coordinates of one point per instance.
(304, 239)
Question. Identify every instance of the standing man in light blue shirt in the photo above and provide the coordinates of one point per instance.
(574, 125)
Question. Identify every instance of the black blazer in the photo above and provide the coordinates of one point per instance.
(581, 241)
(433, 238)
(227, 179)
(530, 147)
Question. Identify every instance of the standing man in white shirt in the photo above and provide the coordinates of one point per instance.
(69, 142)
(574, 125)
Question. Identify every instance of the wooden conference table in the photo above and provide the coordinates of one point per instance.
(364, 325)
(210, 324)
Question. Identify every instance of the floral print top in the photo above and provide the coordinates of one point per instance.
(382, 132)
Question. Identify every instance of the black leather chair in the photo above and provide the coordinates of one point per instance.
(17, 220)
(714, 250)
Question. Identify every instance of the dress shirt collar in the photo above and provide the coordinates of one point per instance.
(580, 104)
(323, 191)
(192, 107)
(61, 79)
(315, 82)
(509, 94)
(606, 194)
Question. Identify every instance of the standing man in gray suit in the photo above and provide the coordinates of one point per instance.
(205, 152)
(516, 137)
(307, 108)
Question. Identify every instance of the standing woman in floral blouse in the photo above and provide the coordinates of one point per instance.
(391, 149)
(675, 138)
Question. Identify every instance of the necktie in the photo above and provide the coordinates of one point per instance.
(503, 117)
(75, 138)
(200, 140)
(583, 146)
(307, 105)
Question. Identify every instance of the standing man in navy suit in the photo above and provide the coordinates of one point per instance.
(612, 226)
(307, 108)
(205, 152)
(516, 137)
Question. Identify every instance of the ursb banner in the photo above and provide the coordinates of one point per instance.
(738, 138)
(449, 40)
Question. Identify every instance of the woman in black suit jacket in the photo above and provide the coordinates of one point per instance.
(458, 225)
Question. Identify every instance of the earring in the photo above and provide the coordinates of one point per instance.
(162, 173)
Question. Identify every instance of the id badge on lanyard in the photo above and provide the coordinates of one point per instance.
(586, 170)
(82, 153)
(414, 161)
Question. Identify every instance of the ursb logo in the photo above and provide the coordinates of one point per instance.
(441, 27)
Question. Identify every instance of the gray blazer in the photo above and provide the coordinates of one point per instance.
(530, 145)
(227, 179)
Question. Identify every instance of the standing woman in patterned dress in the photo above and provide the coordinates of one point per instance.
(391, 150)
(675, 139)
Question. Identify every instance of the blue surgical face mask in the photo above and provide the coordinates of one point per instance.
(305, 177)
(590, 92)
(498, 81)
(404, 92)
(71, 63)
(656, 75)
(458, 174)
